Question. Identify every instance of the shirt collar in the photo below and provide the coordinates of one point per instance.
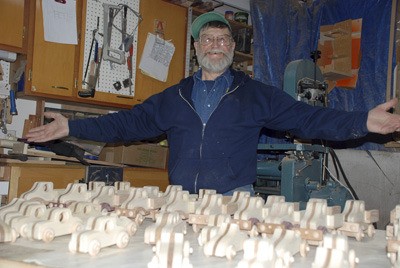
(225, 76)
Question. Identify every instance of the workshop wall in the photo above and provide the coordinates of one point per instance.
(289, 30)
(375, 177)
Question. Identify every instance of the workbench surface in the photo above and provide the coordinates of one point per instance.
(370, 251)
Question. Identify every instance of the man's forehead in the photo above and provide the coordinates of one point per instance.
(215, 30)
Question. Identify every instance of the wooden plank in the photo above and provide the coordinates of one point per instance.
(389, 93)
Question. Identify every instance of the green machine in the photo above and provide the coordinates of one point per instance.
(298, 170)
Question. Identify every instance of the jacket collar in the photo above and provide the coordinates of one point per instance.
(186, 84)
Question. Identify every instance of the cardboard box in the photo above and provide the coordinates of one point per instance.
(144, 155)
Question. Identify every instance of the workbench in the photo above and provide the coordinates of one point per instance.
(21, 175)
(370, 251)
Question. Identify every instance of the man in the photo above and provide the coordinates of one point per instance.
(212, 120)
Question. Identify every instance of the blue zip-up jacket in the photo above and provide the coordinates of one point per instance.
(221, 155)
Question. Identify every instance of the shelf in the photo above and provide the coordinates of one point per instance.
(234, 24)
(240, 56)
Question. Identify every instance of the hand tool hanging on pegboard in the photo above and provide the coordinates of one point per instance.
(109, 53)
(127, 44)
(93, 66)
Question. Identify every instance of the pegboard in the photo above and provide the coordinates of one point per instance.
(5, 84)
(6, 71)
(111, 72)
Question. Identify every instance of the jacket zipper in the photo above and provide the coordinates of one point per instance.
(204, 126)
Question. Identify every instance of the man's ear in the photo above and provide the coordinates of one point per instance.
(196, 44)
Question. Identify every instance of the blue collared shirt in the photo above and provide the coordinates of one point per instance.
(207, 94)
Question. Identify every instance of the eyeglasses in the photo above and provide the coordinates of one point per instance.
(222, 40)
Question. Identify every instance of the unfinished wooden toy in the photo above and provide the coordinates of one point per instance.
(7, 233)
(41, 191)
(74, 192)
(231, 204)
(100, 232)
(179, 201)
(357, 220)
(213, 223)
(227, 242)
(288, 243)
(335, 253)
(30, 212)
(211, 204)
(171, 250)
(260, 253)
(277, 215)
(56, 222)
(316, 220)
(166, 222)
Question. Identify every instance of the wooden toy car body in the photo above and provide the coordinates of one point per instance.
(226, 242)
(104, 233)
(167, 222)
(56, 222)
(171, 251)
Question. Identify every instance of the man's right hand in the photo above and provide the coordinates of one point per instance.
(57, 129)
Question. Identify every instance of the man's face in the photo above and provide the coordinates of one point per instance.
(215, 49)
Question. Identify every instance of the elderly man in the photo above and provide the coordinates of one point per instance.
(212, 119)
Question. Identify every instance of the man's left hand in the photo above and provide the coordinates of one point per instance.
(381, 121)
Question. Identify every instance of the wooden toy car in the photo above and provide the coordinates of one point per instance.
(56, 222)
(105, 233)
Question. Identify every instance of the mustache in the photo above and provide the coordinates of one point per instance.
(215, 51)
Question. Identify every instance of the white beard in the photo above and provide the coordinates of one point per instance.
(215, 66)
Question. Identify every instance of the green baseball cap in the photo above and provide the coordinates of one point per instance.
(205, 18)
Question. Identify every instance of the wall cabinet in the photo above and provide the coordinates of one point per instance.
(13, 20)
(50, 66)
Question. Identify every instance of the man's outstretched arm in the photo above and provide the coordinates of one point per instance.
(57, 129)
(381, 121)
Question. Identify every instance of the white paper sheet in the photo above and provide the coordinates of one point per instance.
(59, 21)
(156, 57)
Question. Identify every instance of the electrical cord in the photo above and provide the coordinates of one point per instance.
(336, 159)
(335, 179)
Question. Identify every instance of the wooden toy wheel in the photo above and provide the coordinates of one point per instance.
(304, 248)
(79, 227)
(359, 235)
(186, 249)
(352, 258)
(132, 228)
(122, 240)
(48, 235)
(230, 252)
(393, 257)
(196, 228)
(72, 247)
(139, 218)
(94, 247)
(254, 231)
(370, 230)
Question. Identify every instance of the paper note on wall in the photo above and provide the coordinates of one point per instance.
(59, 21)
(156, 57)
